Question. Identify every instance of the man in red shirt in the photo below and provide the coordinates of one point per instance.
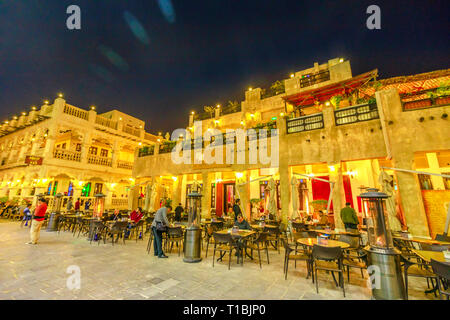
(38, 220)
(136, 215)
(77, 205)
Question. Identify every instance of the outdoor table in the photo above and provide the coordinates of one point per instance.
(260, 227)
(333, 232)
(240, 236)
(421, 240)
(330, 243)
(428, 255)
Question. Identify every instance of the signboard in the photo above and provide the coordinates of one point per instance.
(32, 160)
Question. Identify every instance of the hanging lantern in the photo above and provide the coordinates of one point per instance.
(99, 205)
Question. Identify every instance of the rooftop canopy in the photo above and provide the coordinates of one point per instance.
(322, 94)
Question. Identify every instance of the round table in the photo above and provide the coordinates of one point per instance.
(421, 240)
(331, 243)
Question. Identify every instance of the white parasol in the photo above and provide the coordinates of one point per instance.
(148, 192)
(294, 194)
(272, 202)
(385, 182)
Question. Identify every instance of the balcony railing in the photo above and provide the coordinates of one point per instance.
(76, 112)
(124, 164)
(119, 202)
(67, 155)
(426, 103)
(203, 116)
(311, 79)
(146, 151)
(231, 109)
(106, 122)
(132, 131)
(167, 147)
(102, 161)
(305, 123)
(359, 113)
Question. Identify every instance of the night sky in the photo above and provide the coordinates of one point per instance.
(158, 60)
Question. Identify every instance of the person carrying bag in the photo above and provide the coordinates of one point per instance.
(159, 225)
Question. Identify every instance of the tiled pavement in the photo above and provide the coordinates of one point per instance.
(127, 272)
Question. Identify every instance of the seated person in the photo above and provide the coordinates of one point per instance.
(241, 223)
(323, 218)
(116, 216)
(136, 215)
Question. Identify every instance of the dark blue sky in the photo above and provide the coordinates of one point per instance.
(206, 52)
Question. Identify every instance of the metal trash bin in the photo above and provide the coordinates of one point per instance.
(53, 221)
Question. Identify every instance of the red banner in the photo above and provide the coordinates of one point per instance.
(32, 160)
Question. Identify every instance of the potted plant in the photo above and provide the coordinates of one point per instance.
(319, 204)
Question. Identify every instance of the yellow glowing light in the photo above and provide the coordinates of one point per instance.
(80, 183)
(332, 168)
(250, 89)
(218, 106)
(92, 107)
(24, 113)
(327, 103)
(341, 60)
(159, 133)
(33, 108)
(113, 185)
(6, 122)
(159, 140)
(292, 75)
(44, 180)
(239, 175)
(252, 115)
(15, 117)
(311, 175)
(192, 112)
(46, 101)
(140, 143)
(242, 122)
(219, 180)
(120, 118)
(216, 121)
(60, 95)
(282, 114)
(174, 178)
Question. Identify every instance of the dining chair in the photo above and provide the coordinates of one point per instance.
(260, 243)
(442, 271)
(303, 256)
(118, 228)
(328, 259)
(223, 243)
(175, 235)
(417, 269)
(273, 236)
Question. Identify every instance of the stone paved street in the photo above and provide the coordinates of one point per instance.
(127, 272)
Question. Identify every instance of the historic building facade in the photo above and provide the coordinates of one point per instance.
(338, 134)
(60, 148)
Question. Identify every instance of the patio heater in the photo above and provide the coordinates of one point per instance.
(384, 259)
(56, 213)
(99, 205)
(193, 234)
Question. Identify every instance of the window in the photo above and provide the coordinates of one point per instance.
(425, 182)
(86, 190)
(70, 190)
(213, 195)
(55, 187)
(446, 181)
(49, 188)
(63, 145)
(93, 150)
(104, 153)
(78, 147)
(98, 188)
(262, 189)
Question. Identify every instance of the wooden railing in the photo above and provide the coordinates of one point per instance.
(67, 155)
(119, 202)
(359, 113)
(106, 122)
(148, 136)
(132, 131)
(124, 164)
(426, 103)
(311, 79)
(102, 161)
(305, 123)
(76, 112)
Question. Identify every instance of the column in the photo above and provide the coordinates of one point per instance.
(177, 186)
(206, 199)
(285, 184)
(133, 194)
(411, 196)
(85, 147)
(338, 195)
(115, 154)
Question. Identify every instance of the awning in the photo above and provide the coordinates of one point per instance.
(321, 94)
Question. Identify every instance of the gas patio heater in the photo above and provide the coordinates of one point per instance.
(384, 259)
(56, 213)
(99, 205)
(193, 234)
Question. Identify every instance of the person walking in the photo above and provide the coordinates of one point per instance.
(26, 215)
(178, 210)
(77, 205)
(160, 222)
(37, 221)
(349, 217)
(237, 209)
(69, 206)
